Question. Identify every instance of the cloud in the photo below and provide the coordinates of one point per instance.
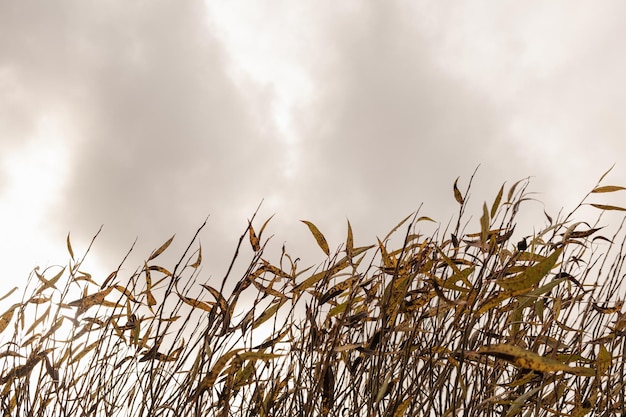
(161, 137)
(172, 111)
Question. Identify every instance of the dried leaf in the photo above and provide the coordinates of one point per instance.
(527, 359)
(198, 259)
(457, 193)
(196, 303)
(161, 249)
(268, 313)
(607, 189)
(603, 362)
(349, 243)
(221, 301)
(496, 202)
(48, 283)
(254, 240)
(8, 294)
(319, 237)
(532, 275)
(208, 381)
(392, 231)
(254, 356)
(5, 319)
(512, 191)
(605, 174)
(484, 225)
(88, 301)
(69, 247)
(608, 207)
(84, 352)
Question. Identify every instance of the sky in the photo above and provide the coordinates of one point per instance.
(145, 117)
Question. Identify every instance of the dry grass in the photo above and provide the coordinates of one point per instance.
(452, 324)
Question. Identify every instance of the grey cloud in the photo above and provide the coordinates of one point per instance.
(391, 129)
(164, 136)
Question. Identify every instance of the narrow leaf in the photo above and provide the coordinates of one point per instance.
(349, 242)
(8, 294)
(496, 203)
(161, 249)
(254, 240)
(527, 359)
(69, 246)
(457, 193)
(532, 275)
(319, 237)
(607, 189)
(198, 259)
(608, 207)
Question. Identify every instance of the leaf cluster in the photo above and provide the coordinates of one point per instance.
(458, 322)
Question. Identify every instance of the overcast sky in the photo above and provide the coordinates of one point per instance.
(148, 116)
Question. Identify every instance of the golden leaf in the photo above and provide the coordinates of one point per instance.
(526, 359)
(532, 275)
(161, 249)
(319, 237)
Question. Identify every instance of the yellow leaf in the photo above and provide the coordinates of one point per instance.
(267, 314)
(125, 292)
(313, 279)
(338, 309)
(484, 225)
(403, 406)
(496, 203)
(526, 359)
(150, 298)
(397, 226)
(48, 283)
(512, 191)
(5, 319)
(198, 259)
(208, 381)
(349, 242)
(88, 301)
(196, 303)
(253, 356)
(84, 352)
(603, 362)
(39, 320)
(161, 249)
(532, 275)
(218, 297)
(254, 240)
(319, 237)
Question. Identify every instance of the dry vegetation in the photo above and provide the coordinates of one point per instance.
(456, 323)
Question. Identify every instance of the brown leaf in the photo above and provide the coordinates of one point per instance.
(607, 189)
(254, 240)
(457, 193)
(608, 207)
(69, 247)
